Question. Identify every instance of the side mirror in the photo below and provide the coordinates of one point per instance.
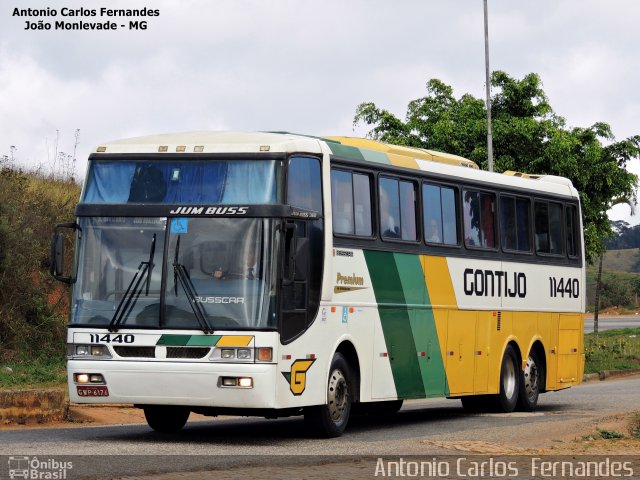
(57, 253)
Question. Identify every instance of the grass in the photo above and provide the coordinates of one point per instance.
(604, 434)
(36, 373)
(612, 350)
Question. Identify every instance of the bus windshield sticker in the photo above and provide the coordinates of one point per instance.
(179, 225)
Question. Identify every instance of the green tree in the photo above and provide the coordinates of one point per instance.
(528, 136)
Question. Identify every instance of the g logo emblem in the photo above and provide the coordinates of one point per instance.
(297, 377)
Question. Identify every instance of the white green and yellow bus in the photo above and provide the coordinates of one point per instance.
(274, 274)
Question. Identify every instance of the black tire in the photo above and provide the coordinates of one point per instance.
(389, 407)
(531, 379)
(331, 419)
(507, 399)
(166, 419)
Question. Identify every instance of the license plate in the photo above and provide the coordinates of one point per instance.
(92, 391)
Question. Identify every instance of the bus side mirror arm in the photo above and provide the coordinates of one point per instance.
(57, 253)
(289, 260)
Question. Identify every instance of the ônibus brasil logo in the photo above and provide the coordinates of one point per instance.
(37, 469)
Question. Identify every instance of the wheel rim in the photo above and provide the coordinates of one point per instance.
(338, 396)
(531, 378)
(509, 380)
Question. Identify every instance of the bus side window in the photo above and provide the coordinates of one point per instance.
(397, 209)
(548, 224)
(572, 231)
(342, 202)
(362, 202)
(479, 219)
(351, 203)
(515, 223)
(304, 186)
(440, 214)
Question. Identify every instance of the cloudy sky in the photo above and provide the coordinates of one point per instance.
(300, 65)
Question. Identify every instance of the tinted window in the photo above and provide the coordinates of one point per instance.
(572, 231)
(351, 203)
(440, 219)
(228, 182)
(362, 202)
(304, 188)
(548, 228)
(515, 223)
(397, 209)
(479, 219)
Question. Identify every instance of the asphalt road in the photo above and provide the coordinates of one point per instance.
(609, 323)
(420, 428)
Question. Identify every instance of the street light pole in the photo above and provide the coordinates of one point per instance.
(486, 62)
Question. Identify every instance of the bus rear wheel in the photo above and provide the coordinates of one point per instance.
(507, 399)
(331, 419)
(530, 383)
(165, 418)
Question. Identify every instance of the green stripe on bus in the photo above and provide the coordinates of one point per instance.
(375, 156)
(423, 325)
(395, 322)
(203, 341)
(188, 340)
(345, 151)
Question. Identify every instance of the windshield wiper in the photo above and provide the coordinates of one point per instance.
(131, 295)
(180, 274)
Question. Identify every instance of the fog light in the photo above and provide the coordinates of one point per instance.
(229, 381)
(227, 353)
(265, 354)
(246, 382)
(244, 354)
(81, 377)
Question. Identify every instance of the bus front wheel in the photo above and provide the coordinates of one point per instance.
(331, 419)
(165, 418)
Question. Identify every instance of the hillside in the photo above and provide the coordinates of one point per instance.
(32, 305)
(626, 260)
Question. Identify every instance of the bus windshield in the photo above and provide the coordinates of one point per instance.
(221, 181)
(181, 273)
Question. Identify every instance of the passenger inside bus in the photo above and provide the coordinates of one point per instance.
(248, 268)
(433, 233)
(389, 222)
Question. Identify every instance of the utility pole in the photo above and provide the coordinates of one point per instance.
(486, 62)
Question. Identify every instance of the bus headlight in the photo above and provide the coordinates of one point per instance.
(244, 354)
(88, 351)
(227, 353)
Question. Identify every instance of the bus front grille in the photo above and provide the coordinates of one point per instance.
(140, 352)
(187, 352)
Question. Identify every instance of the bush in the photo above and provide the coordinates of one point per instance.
(33, 306)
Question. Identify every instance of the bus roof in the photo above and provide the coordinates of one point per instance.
(214, 142)
(352, 148)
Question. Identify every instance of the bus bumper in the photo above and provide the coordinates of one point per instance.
(159, 383)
